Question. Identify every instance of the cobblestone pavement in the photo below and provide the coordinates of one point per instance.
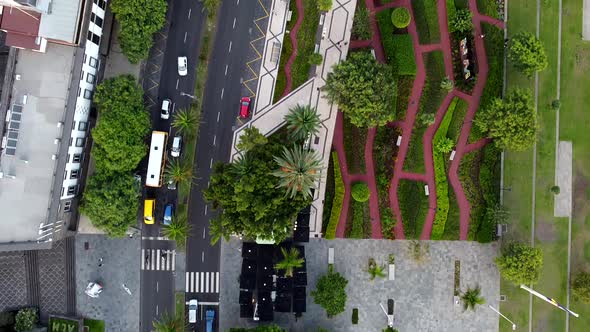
(13, 283)
(52, 279)
(120, 265)
(423, 291)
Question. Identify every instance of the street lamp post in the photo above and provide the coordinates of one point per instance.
(548, 300)
(506, 318)
(188, 95)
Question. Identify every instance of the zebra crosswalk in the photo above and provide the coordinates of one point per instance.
(202, 282)
(158, 260)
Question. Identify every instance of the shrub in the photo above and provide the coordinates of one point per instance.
(527, 53)
(446, 84)
(555, 105)
(6, 319)
(400, 17)
(520, 263)
(355, 316)
(555, 190)
(358, 221)
(315, 59)
(426, 19)
(403, 47)
(324, 5)
(426, 119)
(25, 320)
(330, 292)
(338, 199)
(444, 145)
(581, 286)
(461, 21)
(360, 27)
(360, 192)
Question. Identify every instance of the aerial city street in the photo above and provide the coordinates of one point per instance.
(294, 165)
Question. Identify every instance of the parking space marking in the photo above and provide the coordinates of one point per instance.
(229, 51)
(207, 283)
(216, 282)
(259, 55)
(187, 281)
(185, 34)
(234, 26)
(205, 209)
(226, 69)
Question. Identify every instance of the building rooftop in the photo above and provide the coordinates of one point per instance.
(61, 22)
(28, 162)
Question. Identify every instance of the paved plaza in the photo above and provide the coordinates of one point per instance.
(120, 265)
(423, 291)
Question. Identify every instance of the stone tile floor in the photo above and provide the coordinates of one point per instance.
(422, 290)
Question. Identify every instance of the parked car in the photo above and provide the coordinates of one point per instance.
(182, 66)
(171, 185)
(210, 316)
(166, 109)
(93, 289)
(176, 146)
(149, 205)
(192, 310)
(245, 107)
(168, 214)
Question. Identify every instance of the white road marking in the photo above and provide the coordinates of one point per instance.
(205, 209)
(222, 90)
(177, 80)
(234, 26)
(157, 286)
(207, 184)
(202, 279)
(216, 282)
(204, 232)
(196, 289)
(156, 309)
(214, 139)
(143, 259)
(189, 13)
(174, 260)
(158, 259)
(226, 70)
(229, 47)
(211, 163)
(202, 257)
(207, 283)
(237, 3)
(187, 278)
(185, 34)
(153, 259)
(218, 116)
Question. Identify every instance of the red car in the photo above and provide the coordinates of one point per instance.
(245, 107)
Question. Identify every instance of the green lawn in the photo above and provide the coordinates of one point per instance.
(413, 205)
(94, 325)
(179, 303)
(426, 16)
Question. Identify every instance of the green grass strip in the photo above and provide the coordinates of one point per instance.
(337, 201)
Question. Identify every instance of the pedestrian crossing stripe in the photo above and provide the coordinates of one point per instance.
(158, 260)
(202, 282)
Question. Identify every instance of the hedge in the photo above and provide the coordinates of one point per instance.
(338, 199)
(426, 18)
(413, 205)
(440, 175)
(403, 54)
(451, 11)
(360, 192)
(358, 220)
(400, 17)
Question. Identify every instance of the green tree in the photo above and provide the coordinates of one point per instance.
(302, 120)
(299, 170)
(363, 89)
(361, 28)
(138, 21)
(426, 119)
(315, 59)
(581, 286)
(260, 328)
(178, 171)
(324, 5)
(178, 230)
(461, 22)
(250, 139)
(25, 320)
(186, 122)
(447, 84)
(123, 124)
(290, 261)
(497, 214)
(520, 263)
(210, 6)
(511, 122)
(444, 145)
(472, 297)
(527, 53)
(111, 202)
(375, 270)
(251, 203)
(360, 192)
(330, 292)
(169, 323)
(389, 329)
(400, 17)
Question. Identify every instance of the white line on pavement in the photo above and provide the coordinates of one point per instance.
(189, 13)
(216, 282)
(234, 26)
(207, 283)
(185, 34)
(222, 90)
(205, 209)
(202, 279)
(226, 70)
(202, 257)
(237, 3)
(211, 163)
(204, 232)
(177, 80)
(187, 278)
(157, 287)
(229, 47)
(196, 288)
(143, 259)
(214, 138)
(156, 309)
(218, 116)
(173, 260)
(158, 259)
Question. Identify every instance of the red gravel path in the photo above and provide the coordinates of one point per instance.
(293, 37)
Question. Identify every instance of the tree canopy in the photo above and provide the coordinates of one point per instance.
(251, 201)
(138, 20)
(324, 5)
(527, 53)
(520, 263)
(581, 286)
(111, 202)
(299, 170)
(511, 122)
(363, 89)
(461, 21)
(400, 17)
(260, 328)
(123, 123)
(330, 292)
(250, 139)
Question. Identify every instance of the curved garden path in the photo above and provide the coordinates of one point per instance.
(293, 37)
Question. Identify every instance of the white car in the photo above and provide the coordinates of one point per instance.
(93, 289)
(176, 146)
(166, 109)
(192, 310)
(182, 66)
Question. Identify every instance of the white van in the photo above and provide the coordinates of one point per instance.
(176, 146)
(192, 311)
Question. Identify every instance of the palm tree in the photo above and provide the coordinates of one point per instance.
(178, 230)
(186, 122)
(242, 165)
(290, 261)
(178, 171)
(217, 230)
(299, 169)
(169, 323)
(302, 121)
(472, 297)
(375, 270)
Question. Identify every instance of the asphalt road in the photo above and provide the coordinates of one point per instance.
(227, 69)
(184, 35)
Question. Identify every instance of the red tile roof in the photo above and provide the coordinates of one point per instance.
(17, 20)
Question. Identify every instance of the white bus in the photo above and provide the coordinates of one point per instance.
(157, 159)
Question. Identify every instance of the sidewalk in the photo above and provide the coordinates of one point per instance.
(269, 118)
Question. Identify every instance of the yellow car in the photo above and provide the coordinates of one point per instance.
(148, 211)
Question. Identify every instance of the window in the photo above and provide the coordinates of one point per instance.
(77, 157)
(93, 62)
(90, 78)
(101, 3)
(79, 91)
(67, 206)
(81, 74)
(72, 190)
(79, 141)
(74, 174)
(82, 125)
(87, 94)
(93, 37)
(96, 19)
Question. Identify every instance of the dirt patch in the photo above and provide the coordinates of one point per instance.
(582, 59)
(580, 194)
(545, 231)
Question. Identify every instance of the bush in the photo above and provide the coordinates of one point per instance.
(361, 28)
(338, 199)
(400, 17)
(581, 286)
(555, 190)
(324, 5)
(315, 59)
(398, 48)
(447, 84)
(520, 263)
(360, 192)
(25, 320)
(461, 21)
(355, 316)
(527, 53)
(330, 292)
(426, 18)
(555, 105)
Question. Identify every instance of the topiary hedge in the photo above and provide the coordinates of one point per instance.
(337, 202)
(360, 192)
(400, 17)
